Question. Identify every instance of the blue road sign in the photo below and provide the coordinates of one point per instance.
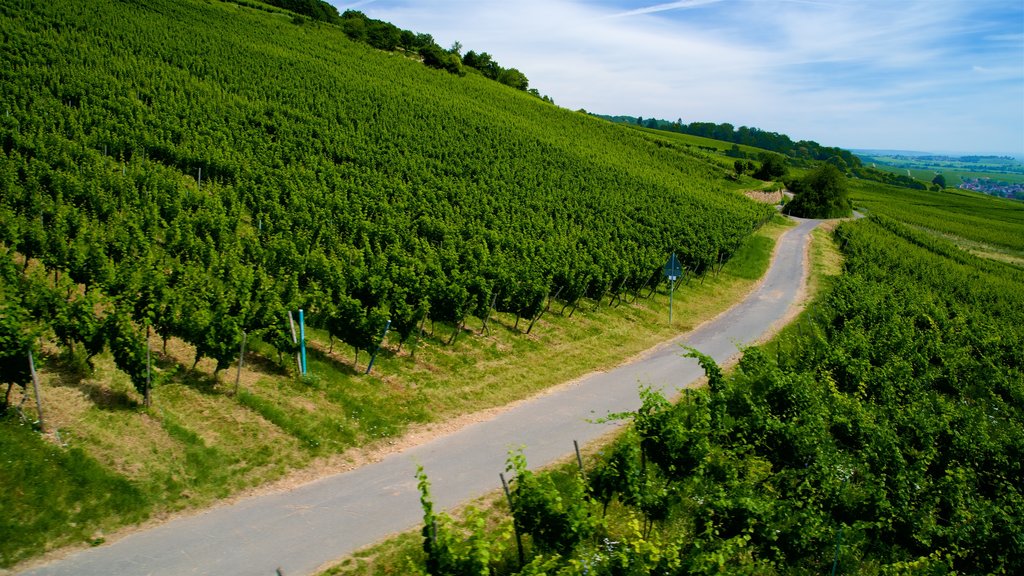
(673, 269)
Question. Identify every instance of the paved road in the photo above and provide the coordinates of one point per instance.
(302, 529)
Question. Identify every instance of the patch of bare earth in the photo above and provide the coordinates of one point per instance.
(764, 197)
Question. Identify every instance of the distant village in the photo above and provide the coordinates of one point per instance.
(993, 187)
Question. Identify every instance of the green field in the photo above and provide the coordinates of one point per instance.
(954, 169)
(953, 176)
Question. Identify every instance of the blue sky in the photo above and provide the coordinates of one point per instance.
(928, 75)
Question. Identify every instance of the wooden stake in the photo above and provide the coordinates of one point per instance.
(35, 386)
(295, 341)
(553, 298)
(519, 539)
(146, 398)
(376, 350)
(416, 343)
(241, 361)
(494, 300)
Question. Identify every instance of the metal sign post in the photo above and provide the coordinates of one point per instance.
(673, 270)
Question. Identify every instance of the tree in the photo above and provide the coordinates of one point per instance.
(839, 163)
(315, 9)
(483, 62)
(514, 78)
(939, 180)
(435, 57)
(354, 23)
(772, 166)
(383, 35)
(821, 194)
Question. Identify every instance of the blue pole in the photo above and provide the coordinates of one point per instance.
(302, 340)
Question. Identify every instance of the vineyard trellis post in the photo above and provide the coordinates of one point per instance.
(295, 341)
(487, 316)
(241, 362)
(672, 270)
(35, 388)
(373, 357)
(839, 537)
(419, 336)
(579, 457)
(515, 528)
(147, 397)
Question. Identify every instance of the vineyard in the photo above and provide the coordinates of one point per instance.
(880, 434)
(205, 193)
(185, 175)
(960, 214)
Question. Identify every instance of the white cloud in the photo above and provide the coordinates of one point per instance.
(683, 4)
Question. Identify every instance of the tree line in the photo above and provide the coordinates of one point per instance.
(386, 36)
(803, 150)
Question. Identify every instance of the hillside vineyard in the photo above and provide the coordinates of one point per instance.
(202, 168)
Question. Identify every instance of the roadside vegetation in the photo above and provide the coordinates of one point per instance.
(405, 553)
(880, 433)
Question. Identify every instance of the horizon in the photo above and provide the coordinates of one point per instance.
(912, 75)
(875, 149)
(951, 154)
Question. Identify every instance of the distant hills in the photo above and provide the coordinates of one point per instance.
(921, 154)
(1001, 176)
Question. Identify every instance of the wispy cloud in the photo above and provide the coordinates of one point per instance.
(664, 7)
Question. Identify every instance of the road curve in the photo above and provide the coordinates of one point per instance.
(301, 530)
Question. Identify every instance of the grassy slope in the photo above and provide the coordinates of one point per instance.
(698, 147)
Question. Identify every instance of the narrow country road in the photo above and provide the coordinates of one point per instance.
(301, 530)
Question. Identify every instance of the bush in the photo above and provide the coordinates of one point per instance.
(821, 194)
